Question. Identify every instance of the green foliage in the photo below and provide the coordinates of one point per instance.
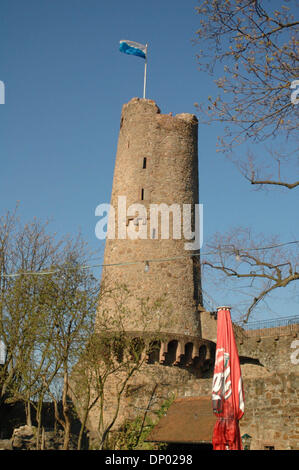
(47, 310)
(164, 407)
(134, 433)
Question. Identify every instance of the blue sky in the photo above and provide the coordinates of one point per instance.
(66, 83)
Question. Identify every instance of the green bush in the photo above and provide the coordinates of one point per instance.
(134, 432)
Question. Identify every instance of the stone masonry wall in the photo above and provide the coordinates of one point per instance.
(270, 377)
(270, 372)
(147, 389)
(156, 163)
(270, 347)
(271, 415)
(271, 401)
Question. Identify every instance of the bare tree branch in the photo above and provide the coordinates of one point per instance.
(268, 266)
(258, 46)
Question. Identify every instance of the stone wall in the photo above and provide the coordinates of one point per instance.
(270, 347)
(15, 435)
(271, 415)
(271, 383)
(147, 390)
(272, 411)
(156, 163)
(271, 400)
(273, 352)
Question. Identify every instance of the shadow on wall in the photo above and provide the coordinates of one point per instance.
(12, 416)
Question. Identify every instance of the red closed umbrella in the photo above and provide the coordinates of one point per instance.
(227, 390)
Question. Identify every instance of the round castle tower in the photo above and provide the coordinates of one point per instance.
(156, 164)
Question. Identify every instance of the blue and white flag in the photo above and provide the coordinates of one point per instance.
(132, 48)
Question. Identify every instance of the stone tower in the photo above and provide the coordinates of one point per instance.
(156, 163)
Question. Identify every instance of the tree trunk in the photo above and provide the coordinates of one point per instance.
(43, 439)
(65, 408)
(83, 424)
(28, 413)
(39, 420)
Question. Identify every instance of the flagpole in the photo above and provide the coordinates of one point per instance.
(145, 70)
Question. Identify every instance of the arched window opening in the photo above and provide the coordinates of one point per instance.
(136, 348)
(118, 348)
(202, 353)
(171, 352)
(188, 354)
(154, 352)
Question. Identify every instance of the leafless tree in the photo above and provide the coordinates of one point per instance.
(250, 48)
(254, 46)
(257, 264)
(47, 303)
(113, 358)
